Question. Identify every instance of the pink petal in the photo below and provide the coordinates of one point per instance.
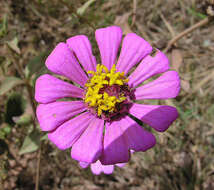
(158, 117)
(116, 149)
(108, 169)
(121, 165)
(69, 132)
(49, 89)
(136, 137)
(134, 48)
(108, 40)
(54, 114)
(82, 49)
(97, 168)
(84, 164)
(89, 146)
(164, 87)
(149, 67)
(62, 62)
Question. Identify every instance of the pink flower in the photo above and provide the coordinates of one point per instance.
(97, 168)
(98, 125)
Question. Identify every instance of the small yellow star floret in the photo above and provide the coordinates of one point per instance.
(99, 79)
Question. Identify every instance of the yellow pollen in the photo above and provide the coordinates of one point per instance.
(100, 79)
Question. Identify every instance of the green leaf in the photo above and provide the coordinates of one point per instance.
(36, 64)
(13, 44)
(24, 119)
(3, 26)
(196, 14)
(44, 137)
(8, 83)
(5, 129)
(83, 8)
(31, 143)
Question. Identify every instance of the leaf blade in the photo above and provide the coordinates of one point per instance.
(31, 143)
(8, 83)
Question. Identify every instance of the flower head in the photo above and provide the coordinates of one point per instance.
(98, 124)
(107, 92)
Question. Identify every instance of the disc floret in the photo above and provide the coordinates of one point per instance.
(105, 90)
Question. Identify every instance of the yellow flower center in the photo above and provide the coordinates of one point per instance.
(103, 89)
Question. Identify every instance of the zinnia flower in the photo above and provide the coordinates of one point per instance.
(97, 111)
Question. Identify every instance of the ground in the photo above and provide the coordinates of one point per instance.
(183, 156)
